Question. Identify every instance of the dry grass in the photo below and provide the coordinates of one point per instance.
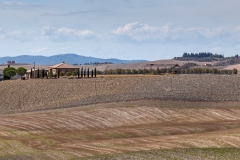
(115, 128)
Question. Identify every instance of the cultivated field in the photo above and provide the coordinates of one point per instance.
(31, 95)
(126, 117)
(157, 129)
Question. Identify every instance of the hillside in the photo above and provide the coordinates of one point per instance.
(103, 67)
(121, 117)
(61, 93)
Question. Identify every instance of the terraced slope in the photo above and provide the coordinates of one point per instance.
(30, 95)
(114, 128)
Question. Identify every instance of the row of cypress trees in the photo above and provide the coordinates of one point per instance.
(80, 73)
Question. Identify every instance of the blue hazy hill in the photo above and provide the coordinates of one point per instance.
(68, 58)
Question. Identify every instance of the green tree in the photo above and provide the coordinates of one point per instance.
(9, 71)
(140, 71)
(43, 73)
(21, 71)
(75, 73)
(50, 73)
(145, 71)
(95, 72)
(128, 71)
(235, 71)
(134, 71)
(158, 71)
(123, 71)
(214, 71)
(118, 71)
(38, 73)
(88, 72)
(81, 72)
(58, 73)
(31, 73)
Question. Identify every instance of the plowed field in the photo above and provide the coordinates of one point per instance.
(159, 129)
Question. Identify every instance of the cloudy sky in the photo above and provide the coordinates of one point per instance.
(125, 29)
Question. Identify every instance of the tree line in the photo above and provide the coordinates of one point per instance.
(170, 70)
(10, 72)
(201, 57)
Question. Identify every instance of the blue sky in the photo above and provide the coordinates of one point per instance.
(124, 29)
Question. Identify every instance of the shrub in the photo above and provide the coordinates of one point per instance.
(75, 73)
(68, 74)
(235, 71)
(50, 73)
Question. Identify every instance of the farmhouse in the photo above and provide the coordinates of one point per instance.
(1, 74)
(62, 68)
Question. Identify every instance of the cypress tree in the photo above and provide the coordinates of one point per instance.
(31, 74)
(38, 75)
(81, 72)
(84, 72)
(43, 73)
(92, 73)
(58, 73)
(95, 72)
(88, 72)
(78, 73)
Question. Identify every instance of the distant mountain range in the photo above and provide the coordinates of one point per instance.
(68, 58)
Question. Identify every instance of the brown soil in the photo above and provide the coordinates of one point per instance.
(31, 95)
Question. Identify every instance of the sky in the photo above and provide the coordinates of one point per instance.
(123, 29)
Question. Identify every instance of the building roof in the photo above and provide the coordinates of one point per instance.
(62, 65)
(28, 71)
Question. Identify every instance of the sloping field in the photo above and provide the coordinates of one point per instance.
(31, 95)
(236, 66)
(139, 65)
(158, 129)
(121, 117)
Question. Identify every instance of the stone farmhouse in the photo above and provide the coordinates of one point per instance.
(58, 68)
(62, 68)
(1, 74)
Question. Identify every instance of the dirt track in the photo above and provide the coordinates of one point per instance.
(30, 95)
(118, 128)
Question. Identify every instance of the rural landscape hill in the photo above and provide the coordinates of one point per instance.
(68, 58)
(124, 117)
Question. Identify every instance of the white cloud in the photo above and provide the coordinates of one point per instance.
(171, 33)
(66, 34)
(37, 50)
